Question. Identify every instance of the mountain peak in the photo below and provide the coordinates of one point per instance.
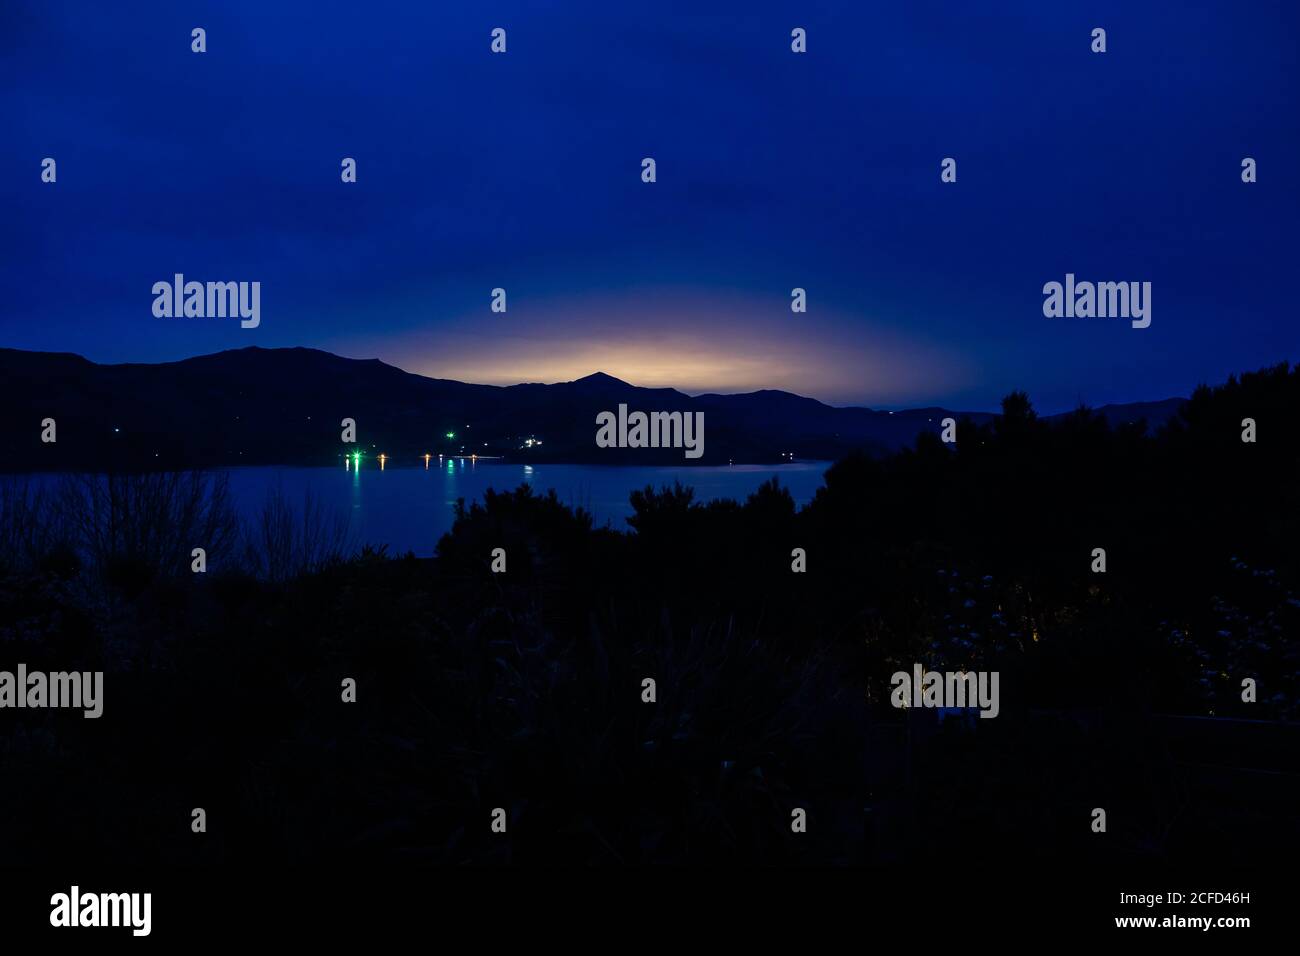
(601, 378)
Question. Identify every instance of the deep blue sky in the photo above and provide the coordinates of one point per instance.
(775, 170)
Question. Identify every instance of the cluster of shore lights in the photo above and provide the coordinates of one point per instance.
(354, 459)
(450, 458)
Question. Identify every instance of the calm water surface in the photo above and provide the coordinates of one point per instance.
(409, 509)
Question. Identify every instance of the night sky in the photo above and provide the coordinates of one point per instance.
(775, 170)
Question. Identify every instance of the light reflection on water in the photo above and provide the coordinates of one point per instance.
(410, 508)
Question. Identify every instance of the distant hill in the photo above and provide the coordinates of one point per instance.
(256, 406)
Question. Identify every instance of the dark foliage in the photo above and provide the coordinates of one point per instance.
(523, 690)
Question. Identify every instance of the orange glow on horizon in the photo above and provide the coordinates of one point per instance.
(694, 344)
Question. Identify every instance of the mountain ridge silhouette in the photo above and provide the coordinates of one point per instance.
(260, 406)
